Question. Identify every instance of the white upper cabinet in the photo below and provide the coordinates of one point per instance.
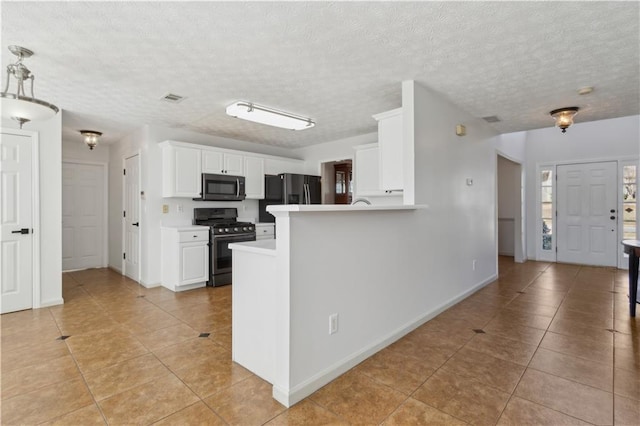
(254, 177)
(367, 171)
(222, 162)
(390, 150)
(181, 169)
(183, 164)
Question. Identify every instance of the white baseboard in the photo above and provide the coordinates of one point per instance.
(51, 302)
(312, 384)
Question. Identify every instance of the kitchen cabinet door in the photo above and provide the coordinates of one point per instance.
(367, 171)
(212, 161)
(181, 169)
(254, 177)
(193, 263)
(390, 150)
(219, 162)
(234, 164)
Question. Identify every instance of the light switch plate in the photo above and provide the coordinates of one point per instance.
(165, 208)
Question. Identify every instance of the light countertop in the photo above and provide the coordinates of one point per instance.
(341, 207)
(187, 228)
(266, 247)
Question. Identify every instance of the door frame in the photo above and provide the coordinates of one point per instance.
(141, 227)
(324, 180)
(105, 201)
(35, 209)
(620, 161)
(520, 237)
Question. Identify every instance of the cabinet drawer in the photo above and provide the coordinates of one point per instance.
(191, 236)
(264, 230)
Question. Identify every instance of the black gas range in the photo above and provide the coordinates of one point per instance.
(224, 229)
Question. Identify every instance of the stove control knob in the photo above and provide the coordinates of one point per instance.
(245, 228)
(235, 229)
(226, 229)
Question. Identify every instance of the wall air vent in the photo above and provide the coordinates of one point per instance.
(173, 98)
(491, 119)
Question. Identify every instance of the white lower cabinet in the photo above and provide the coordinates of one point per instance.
(185, 257)
(265, 231)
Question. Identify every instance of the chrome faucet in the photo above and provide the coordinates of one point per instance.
(361, 200)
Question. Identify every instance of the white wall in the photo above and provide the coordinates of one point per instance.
(79, 151)
(442, 164)
(611, 139)
(341, 149)
(145, 141)
(405, 265)
(50, 228)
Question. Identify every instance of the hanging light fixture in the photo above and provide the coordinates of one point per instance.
(18, 106)
(265, 115)
(90, 137)
(564, 117)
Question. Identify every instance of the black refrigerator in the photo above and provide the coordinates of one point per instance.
(288, 188)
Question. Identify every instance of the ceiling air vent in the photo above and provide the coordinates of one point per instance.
(173, 98)
(491, 119)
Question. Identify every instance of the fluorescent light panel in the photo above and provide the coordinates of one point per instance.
(269, 116)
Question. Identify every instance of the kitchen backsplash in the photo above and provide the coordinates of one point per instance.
(181, 210)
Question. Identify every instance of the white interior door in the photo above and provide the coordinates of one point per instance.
(132, 218)
(587, 205)
(16, 257)
(83, 213)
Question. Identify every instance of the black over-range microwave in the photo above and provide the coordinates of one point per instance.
(218, 187)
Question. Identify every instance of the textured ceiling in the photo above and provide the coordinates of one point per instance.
(108, 63)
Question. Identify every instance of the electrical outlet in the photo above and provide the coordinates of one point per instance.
(333, 323)
(165, 208)
(179, 208)
(473, 264)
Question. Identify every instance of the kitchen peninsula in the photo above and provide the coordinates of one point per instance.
(336, 286)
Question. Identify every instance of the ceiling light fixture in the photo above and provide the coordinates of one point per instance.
(564, 117)
(91, 137)
(272, 117)
(18, 106)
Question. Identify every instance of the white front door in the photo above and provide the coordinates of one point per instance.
(132, 218)
(16, 255)
(587, 205)
(82, 216)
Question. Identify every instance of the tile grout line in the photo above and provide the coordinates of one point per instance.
(546, 331)
(84, 380)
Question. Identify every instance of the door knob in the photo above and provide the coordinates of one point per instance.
(21, 231)
(136, 224)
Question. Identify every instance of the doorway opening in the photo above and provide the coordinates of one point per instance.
(510, 209)
(337, 181)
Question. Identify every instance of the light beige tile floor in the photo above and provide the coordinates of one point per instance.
(545, 344)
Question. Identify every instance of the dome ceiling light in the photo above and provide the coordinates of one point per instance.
(91, 137)
(564, 117)
(17, 105)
